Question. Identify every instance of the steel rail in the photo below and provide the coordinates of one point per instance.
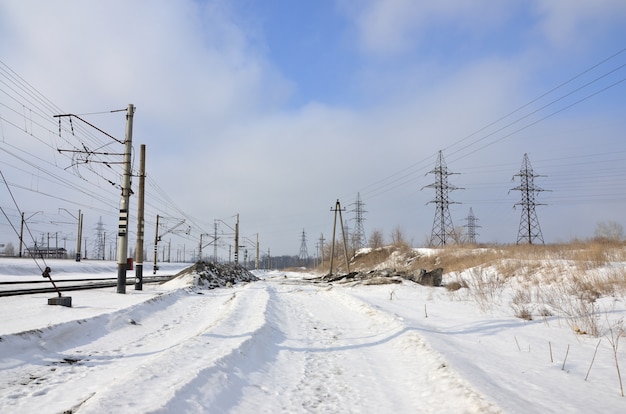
(101, 283)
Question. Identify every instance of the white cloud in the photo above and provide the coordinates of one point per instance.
(397, 26)
(576, 24)
(160, 57)
(219, 139)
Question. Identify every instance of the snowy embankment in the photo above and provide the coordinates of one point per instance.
(285, 344)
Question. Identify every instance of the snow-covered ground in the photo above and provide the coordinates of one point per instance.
(287, 345)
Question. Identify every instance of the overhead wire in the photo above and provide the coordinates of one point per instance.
(407, 174)
(38, 105)
(36, 112)
(33, 256)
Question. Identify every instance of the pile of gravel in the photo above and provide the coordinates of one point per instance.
(214, 275)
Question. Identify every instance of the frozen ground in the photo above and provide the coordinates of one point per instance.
(287, 345)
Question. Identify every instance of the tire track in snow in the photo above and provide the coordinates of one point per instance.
(223, 383)
(50, 359)
(317, 368)
(315, 335)
(89, 351)
(339, 354)
(281, 374)
(434, 368)
(195, 361)
(263, 347)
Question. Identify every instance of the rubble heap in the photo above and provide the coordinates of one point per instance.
(214, 275)
(389, 276)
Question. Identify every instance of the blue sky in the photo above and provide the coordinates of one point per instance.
(308, 42)
(274, 109)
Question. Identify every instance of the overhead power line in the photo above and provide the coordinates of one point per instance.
(410, 173)
(29, 143)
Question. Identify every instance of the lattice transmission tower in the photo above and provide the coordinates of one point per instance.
(358, 237)
(443, 230)
(303, 256)
(529, 230)
(100, 240)
(471, 227)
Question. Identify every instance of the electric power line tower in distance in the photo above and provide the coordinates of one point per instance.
(358, 237)
(100, 240)
(471, 227)
(529, 231)
(443, 230)
(303, 256)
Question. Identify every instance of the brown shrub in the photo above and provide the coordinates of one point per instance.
(453, 286)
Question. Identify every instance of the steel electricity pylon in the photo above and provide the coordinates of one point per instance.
(358, 237)
(100, 240)
(471, 227)
(443, 230)
(529, 230)
(303, 257)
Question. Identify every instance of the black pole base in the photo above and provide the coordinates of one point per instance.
(121, 278)
(61, 301)
(139, 276)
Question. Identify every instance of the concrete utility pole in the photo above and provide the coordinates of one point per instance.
(140, 219)
(21, 234)
(122, 235)
(22, 230)
(256, 261)
(215, 241)
(156, 246)
(200, 248)
(80, 236)
(237, 241)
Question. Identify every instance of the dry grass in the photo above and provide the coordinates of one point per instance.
(589, 255)
(565, 280)
(456, 259)
(508, 260)
(524, 259)
(522, 304)
(371, 259)
(454, 286)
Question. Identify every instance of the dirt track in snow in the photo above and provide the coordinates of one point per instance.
(272, 346)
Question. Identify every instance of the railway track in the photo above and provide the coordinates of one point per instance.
(67, 285)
